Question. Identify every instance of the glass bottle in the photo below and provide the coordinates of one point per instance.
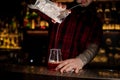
(107, 13)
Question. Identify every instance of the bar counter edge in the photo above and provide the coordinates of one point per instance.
(31, 72)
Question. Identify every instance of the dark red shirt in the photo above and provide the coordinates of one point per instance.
(81, 28)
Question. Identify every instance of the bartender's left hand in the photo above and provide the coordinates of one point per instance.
(69, 65)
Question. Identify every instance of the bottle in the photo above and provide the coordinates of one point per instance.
(26, 20)
(107, 14)
(33, 18)
(114, 13)
(100, 12)
(44, 25)
(38, 20)
(118, 17)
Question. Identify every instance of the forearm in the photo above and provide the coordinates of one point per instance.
(89, 53)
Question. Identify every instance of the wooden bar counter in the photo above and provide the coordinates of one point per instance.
(10, 71)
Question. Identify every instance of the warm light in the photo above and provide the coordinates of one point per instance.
(33, 24)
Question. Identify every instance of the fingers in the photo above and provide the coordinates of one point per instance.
(70, 65)
(66, 68)
(62, 64)
(53, 21)
(61, 5)
(77, 70)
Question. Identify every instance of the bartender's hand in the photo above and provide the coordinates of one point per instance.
(63, 7)
(70, 64)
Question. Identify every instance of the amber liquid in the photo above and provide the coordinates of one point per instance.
(52, 65)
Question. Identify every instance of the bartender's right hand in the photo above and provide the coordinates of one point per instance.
(63, 7)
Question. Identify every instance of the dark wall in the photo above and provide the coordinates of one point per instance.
(9, 7)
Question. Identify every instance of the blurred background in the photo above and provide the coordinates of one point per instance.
(24, 33)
